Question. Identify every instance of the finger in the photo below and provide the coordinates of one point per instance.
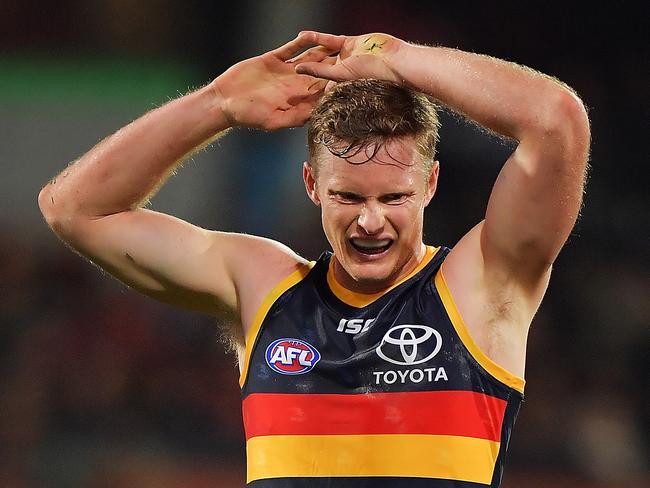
(293, 117)
(314, 92)
(336, 72)
(294, 47)
(315, 54)
(330, 84)
(322, 39)
(308, 84)
(317, 86)
(326, 61)
(306, 68)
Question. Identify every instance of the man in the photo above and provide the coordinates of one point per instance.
(376, 366)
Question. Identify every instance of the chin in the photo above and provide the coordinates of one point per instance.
(371, 272)
(372, 275)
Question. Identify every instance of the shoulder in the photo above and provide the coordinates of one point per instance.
(255, 265)
(244, 248)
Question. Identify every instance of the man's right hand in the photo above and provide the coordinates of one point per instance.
(95, 204)
(364, 56)
(265, 92)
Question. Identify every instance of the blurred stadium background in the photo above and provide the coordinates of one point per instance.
(100, 387)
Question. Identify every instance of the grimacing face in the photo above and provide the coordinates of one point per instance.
(372, 213)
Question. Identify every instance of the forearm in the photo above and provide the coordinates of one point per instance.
(129, 166)
(507, 98)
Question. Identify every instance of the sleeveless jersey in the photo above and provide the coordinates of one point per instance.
(343, 390)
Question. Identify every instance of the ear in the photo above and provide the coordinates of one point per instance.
(310, 183)
(432, 184)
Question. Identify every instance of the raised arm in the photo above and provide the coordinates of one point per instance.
(498, 272)
(536, 199)
(95, 204)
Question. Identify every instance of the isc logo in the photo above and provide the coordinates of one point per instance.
(291, 356)
(354, 326)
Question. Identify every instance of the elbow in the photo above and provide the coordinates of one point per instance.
(51, 207)
(568, 124)
(46, 203)
(573, 111)
(560, 130)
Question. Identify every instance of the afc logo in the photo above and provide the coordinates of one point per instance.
(291, 356)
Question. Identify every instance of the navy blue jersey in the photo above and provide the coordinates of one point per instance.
(342, 389)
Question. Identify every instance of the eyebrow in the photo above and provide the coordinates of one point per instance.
(383, 195)
(344, 193)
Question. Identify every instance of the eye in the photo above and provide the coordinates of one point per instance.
(394, 198)
(348, 197)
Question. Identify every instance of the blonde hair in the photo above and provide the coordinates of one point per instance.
(362, 115)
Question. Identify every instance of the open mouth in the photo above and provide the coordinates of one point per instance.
(371, 247)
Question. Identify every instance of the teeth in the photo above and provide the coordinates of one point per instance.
(370, 243)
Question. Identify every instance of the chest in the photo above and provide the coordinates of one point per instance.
(404, 342)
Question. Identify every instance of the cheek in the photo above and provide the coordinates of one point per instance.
(404, 218)
(338, 217)
(334, 225)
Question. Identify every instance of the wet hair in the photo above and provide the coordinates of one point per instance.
(356, 118)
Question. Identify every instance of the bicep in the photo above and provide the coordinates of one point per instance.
(536, 200)
(161, 256)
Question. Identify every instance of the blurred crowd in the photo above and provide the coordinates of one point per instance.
(101, 387)
(96, 382)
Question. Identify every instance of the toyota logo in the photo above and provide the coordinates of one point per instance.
(408, 342)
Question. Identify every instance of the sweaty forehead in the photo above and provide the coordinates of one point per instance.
(369, 178)
(396, 159)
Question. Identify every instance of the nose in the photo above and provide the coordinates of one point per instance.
(371, 219)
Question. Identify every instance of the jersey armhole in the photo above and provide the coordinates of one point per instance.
(263, 310)
(495, 370)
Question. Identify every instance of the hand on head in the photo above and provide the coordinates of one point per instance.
(266, 91)
(281, 87)
(365, 56)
